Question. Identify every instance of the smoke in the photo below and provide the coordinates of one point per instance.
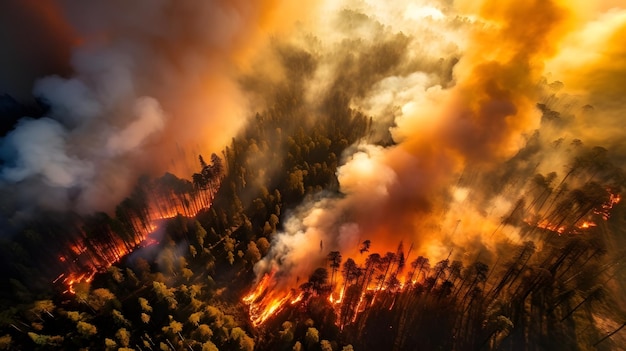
(150, 120)
(36, 41)
(448, 128)
(591, 64)
(152, 85)
(452, 89)
(46, 157)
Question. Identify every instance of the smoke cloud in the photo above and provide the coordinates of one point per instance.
(452, 88)
(450, 127)
(36, 41)
(151, 85)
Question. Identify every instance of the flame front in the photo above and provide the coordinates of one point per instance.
(265, 300)
(84, 263)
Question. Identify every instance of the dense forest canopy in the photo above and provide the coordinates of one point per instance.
(356, 176)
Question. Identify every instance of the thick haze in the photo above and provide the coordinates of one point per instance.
(140, 87)
(453, 130)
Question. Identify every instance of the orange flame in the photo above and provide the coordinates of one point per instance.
(545, 224)
(111, 255)
(605, 210)
(586, 225)
(265, 301)
(84, 263)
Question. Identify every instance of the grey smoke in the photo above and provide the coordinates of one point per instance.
(147, 76)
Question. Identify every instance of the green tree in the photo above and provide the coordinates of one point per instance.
(253, 255)
(311, 338)
(203, 333)
(5, 342)
(110, 344)
(173, 328)
(325, 345)
(99, 298)
(86, 329)
(118, 317)
(123, 336)
(286, 334)
(194, 318)
(263, 245)
(244, 342)
(209, 346)
(145, 305)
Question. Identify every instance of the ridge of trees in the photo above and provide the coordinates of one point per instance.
(183, 293)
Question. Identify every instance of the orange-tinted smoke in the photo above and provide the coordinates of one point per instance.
(480, 121)
(152, 85)
(36, 41)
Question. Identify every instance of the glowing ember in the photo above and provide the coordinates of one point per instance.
(73, 279)
(265, 301)
(338, 300)
(108, 254)
(586, 225)
(544, 224)
(605, 210)
(297, 299)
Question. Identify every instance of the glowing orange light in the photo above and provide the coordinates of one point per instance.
(605, 210)
(112, 254)
(265, 300)
(586, 225)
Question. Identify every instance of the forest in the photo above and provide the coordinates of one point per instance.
(175, 265)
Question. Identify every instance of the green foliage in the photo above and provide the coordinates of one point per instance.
(244, 342)
(109, 344)
(145, 305)
(230, 257)
(86, 329)
(194, 318)
(263, 246)
(312, 337)
(116, 273)
(166, 294)
(123, 336)
(99, 298)
(118, 317)
(287, 333)
(43, 306)
(44, 340)
(253, 254)
(5, 342)
(209, 346)
(325, 345)
(203, 332)
(229, 244)
(173, 328)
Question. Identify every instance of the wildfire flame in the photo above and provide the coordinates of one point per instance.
(603, 211)
(265, 301)
(107, 256)
(586, 224)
